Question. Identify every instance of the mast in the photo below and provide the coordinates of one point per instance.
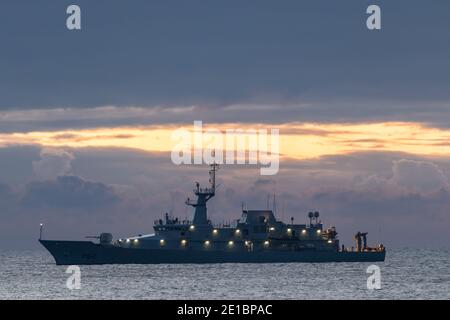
(203, 195)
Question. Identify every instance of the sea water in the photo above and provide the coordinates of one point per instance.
(406, 274)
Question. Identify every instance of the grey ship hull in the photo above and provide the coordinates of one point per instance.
(89, 253)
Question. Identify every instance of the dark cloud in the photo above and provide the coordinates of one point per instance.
(68, 192)
(16, 163)
(311, 60)
(264, 182)
(432, 115)
(6, 193)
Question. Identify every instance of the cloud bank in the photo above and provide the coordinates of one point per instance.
(53, 163)
(390, 201)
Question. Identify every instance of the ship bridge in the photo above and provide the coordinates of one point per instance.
(257, 217)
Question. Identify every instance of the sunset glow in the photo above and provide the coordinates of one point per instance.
(299, 141)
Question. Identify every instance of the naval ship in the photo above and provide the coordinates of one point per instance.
(257, 237)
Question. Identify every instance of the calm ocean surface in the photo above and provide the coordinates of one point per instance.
(406, 274)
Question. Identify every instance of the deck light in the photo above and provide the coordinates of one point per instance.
(230, 243)
(238, 231)
(183, 242)
(272, 229)
(136, 241)
(215, 231)
(207, 243)
(266, 243)
(162, 242)
(128, 240)
(289, 230)
(192, 228)
(318, 231)
(303, 231)
(330, 241)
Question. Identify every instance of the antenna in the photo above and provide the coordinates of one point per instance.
(205, 193)
(212, 175)
(274, 204)
(40, 230)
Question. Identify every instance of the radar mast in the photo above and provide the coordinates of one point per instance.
(203, 195)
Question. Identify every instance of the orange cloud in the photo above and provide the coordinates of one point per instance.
(297, 140)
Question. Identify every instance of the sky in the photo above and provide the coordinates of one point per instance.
(86, 116)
